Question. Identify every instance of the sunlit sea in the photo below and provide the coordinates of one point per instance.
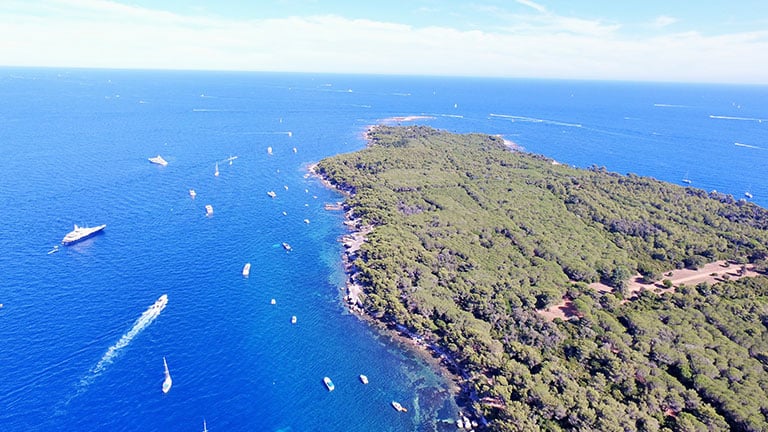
(78, 349)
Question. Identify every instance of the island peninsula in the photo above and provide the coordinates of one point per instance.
(472, 246)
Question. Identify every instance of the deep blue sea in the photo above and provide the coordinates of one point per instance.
(74, 353)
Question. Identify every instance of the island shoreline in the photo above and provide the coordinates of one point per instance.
(431, 353)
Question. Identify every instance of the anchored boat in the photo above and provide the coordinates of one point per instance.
(81, 233)
(167, 382)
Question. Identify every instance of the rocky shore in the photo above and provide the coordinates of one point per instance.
(442, 361)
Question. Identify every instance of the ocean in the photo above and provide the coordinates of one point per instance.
(79, 347)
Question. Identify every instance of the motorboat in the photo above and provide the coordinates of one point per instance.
(158, 160)
(328, 384)
(396, 405)
(167, 382)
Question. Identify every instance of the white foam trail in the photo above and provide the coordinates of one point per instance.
(747, 146)
(140, 324)
(536, 120)
(663, 105)
(759, 120)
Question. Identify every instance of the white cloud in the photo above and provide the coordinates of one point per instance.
(100, 33)
(533, 5)
(664, 21)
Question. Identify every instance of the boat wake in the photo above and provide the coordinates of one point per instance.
(753, 119)
(664, 105)
(747, 146)
(535, 120)
(140, 324)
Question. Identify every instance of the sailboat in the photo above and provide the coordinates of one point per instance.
(168, 382)
(216, 173)
(686, 180)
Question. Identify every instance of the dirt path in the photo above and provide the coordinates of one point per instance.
(710, 273)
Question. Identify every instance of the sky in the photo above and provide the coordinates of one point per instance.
(718, 41)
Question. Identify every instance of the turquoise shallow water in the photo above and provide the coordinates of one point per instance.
(76, 144)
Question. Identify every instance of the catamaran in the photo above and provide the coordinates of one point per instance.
(168, 382)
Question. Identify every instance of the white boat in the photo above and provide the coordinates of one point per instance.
(363, 379)
(81, 233)
(167, 382)
(306, 221)
(158, 160)
(397, 406)
(328, 384)
(293, 319)
(272, 194)
(247, 269)
(748, 194)
(208, 210)
(192, 193)
(287, 247)
(205, 426)
(269, 150)
(686, 180)
(216, 173)
(54, 250)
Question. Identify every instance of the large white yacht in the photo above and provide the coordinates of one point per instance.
(81, 233)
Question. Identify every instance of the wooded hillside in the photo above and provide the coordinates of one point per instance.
(470, 239)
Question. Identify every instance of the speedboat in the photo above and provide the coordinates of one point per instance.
(208, 209)
(287, 247)
(293, 319)
(247, 269)
(272, 194)
(328, 384)
(192, 193)
(363, 379)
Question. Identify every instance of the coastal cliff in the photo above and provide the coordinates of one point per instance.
(470, 246)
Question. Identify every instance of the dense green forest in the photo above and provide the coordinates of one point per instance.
(470, 239)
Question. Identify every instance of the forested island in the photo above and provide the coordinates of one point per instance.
(468, 241)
